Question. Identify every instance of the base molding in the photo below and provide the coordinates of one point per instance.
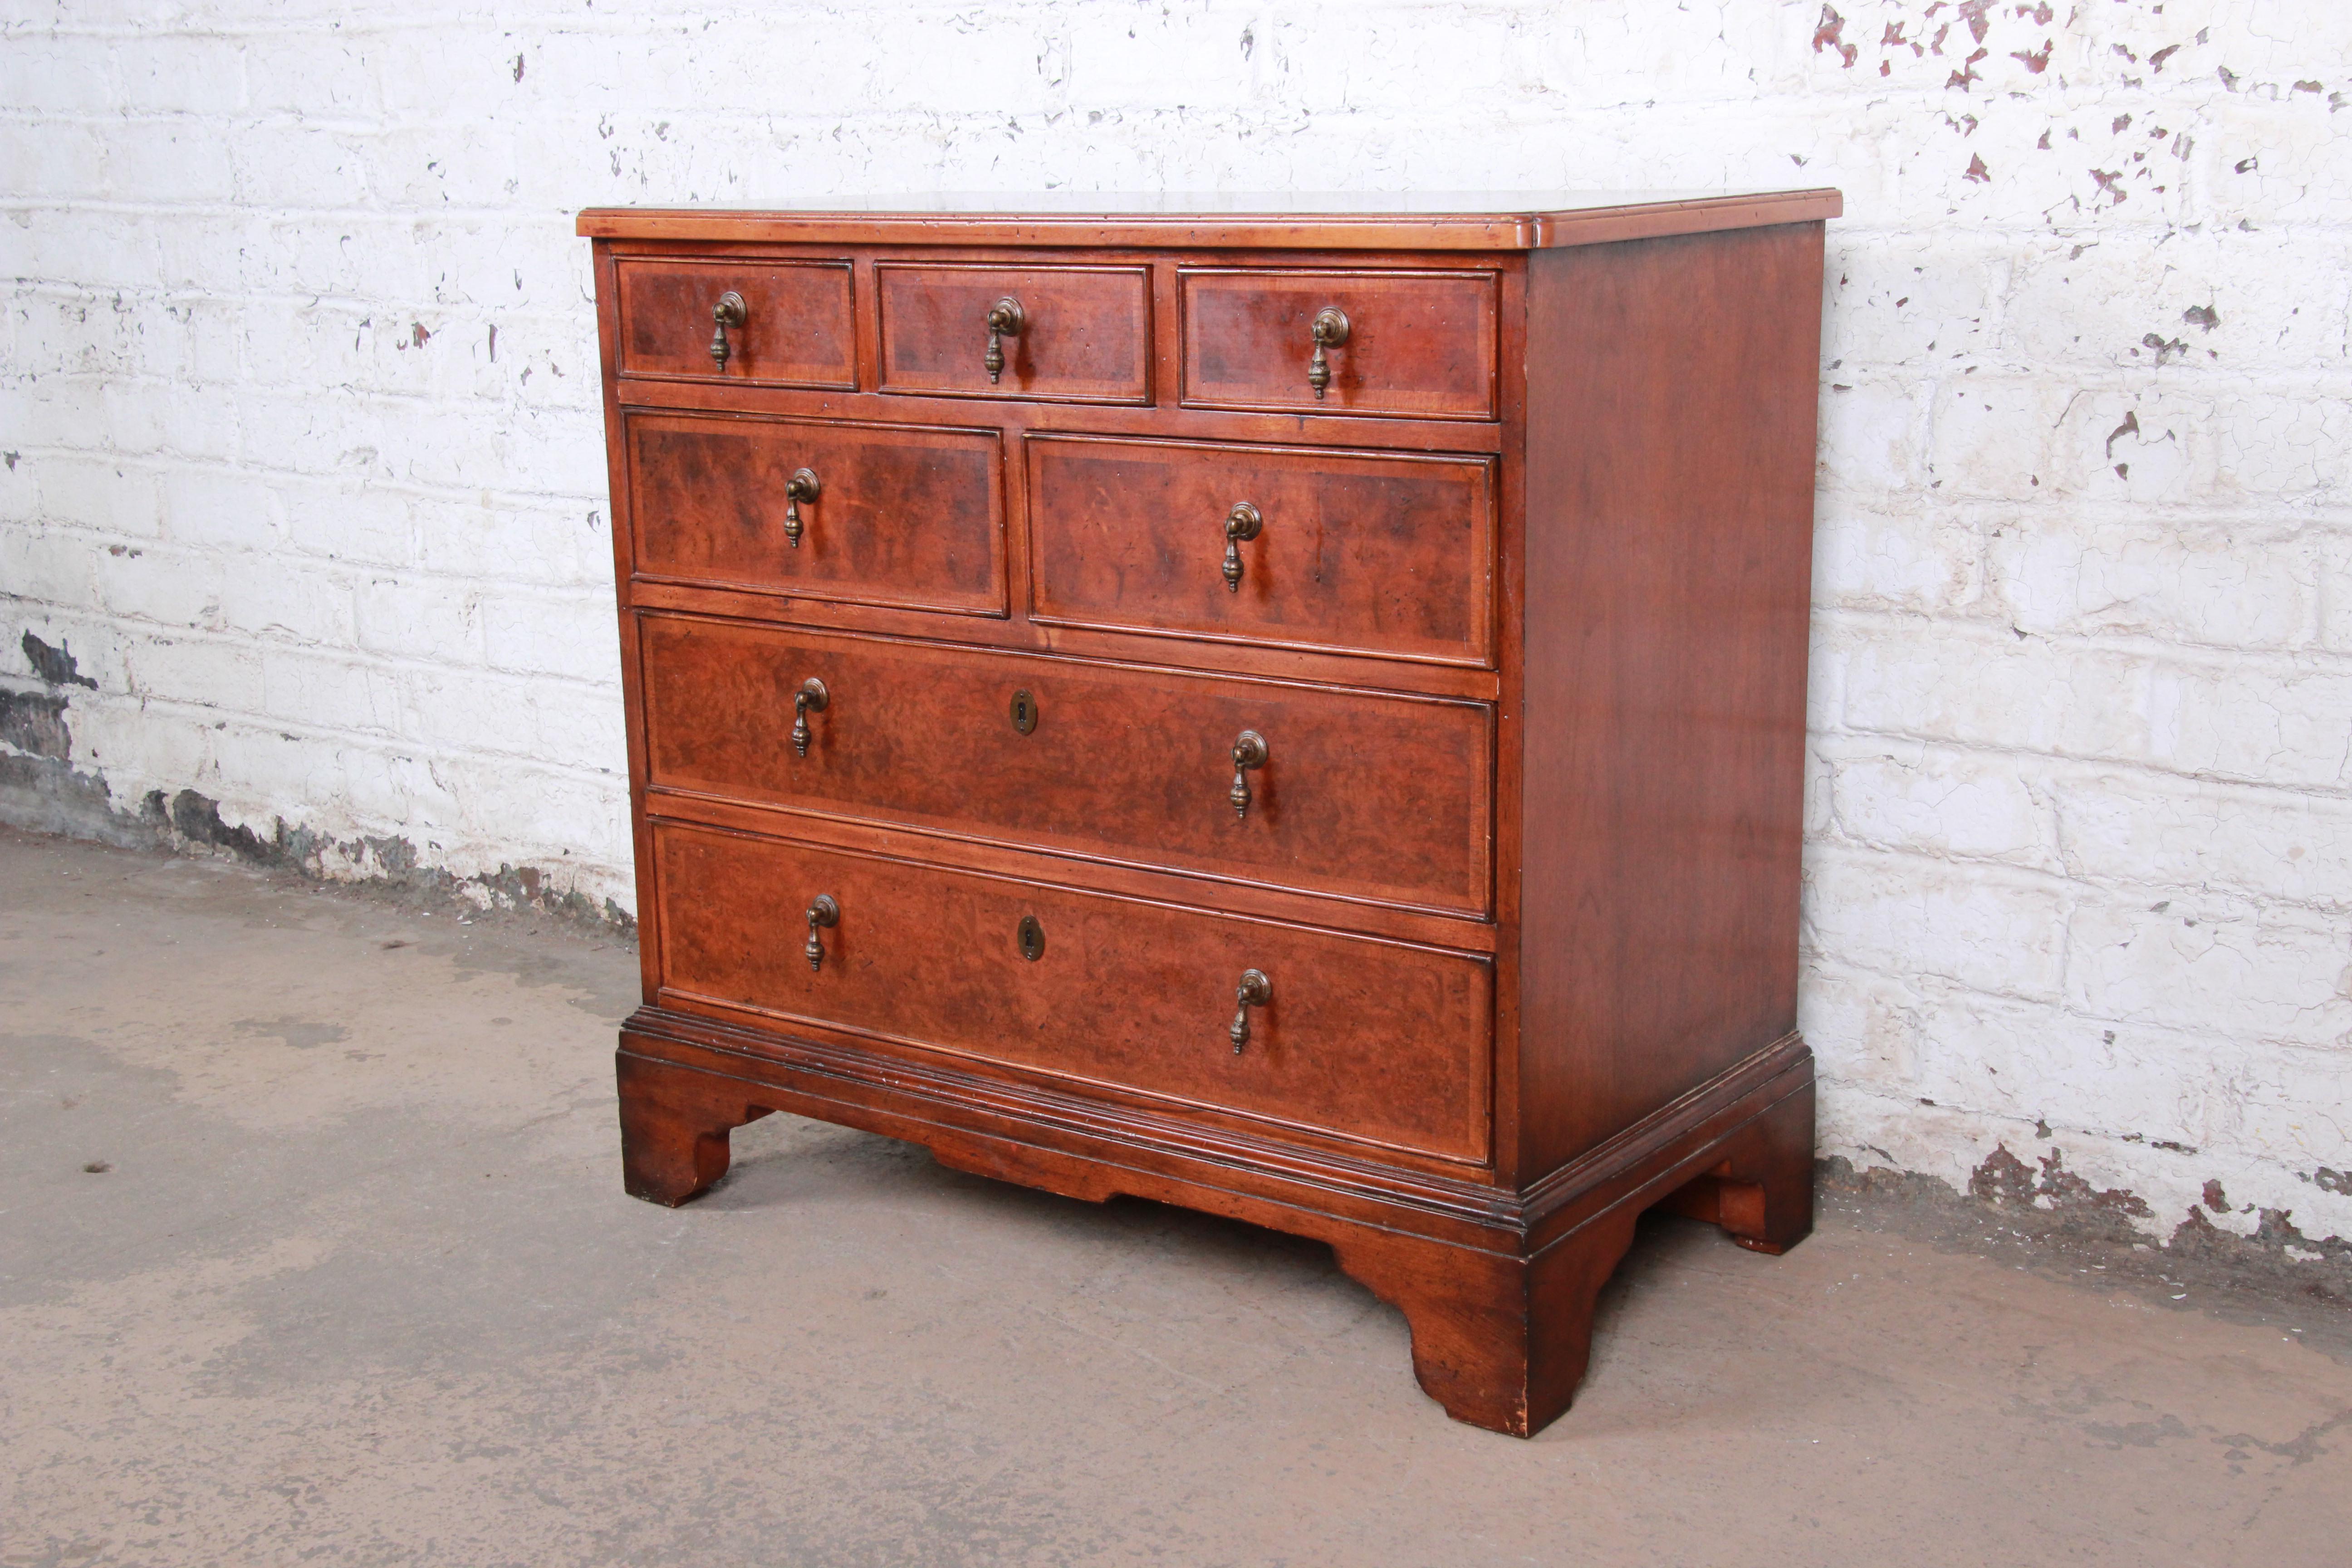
(1497, 1286)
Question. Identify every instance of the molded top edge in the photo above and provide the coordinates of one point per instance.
(1434, 221)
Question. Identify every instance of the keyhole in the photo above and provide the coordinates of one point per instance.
(1033, 939)
(1024, 711)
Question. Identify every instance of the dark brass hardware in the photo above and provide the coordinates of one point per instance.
(1256, 990)
(810, 698)
(729, 312)
(1003, 321)
(1024, 711)
(1249, 752)
(1033, 939)
(1242, 522)
(824, 912)
(1331, 330)
(801, 487)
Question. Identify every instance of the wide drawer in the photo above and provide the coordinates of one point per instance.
(1370, 552)
(1369, 1040)
(887, 514)
(791, 326)
(1074, 335)
(1362, 795)
(1416, 343)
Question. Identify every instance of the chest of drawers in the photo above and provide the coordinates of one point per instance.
(1295, 714)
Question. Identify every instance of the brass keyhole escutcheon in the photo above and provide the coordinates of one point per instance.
(1033, 939)
(1024, 711)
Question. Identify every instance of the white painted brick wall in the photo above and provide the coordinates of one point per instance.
(2081, 810)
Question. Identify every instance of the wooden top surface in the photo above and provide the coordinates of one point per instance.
(1511, 220)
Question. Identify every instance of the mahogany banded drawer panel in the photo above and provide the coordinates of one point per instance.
(1372, 1041)
(1074, 333)
(1296, 714)
(1389, 341)
(784, 323)
(870, 514)
(1356, 552)
(1374, 795)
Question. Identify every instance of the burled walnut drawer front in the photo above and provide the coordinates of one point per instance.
(1362, 795)
(1073, 334)
(789, 322)
(1368, 1039)
(885, 514)
(1413, 343)
(1360, 552)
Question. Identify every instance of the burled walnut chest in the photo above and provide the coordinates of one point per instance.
(1295, 713)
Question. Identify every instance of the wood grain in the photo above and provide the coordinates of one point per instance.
(1086, 334)
(1366, 795)
(1375, 1041)
(1361, 551)
(1670, 500)
(1510, 221)
(796, 329)
(1420, 343)
(906, 516)
(1525, 627)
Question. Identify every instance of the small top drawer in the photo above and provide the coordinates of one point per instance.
(1065, 334)
(1416, 344)
(783, 323)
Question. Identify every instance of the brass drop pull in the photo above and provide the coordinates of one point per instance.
(1249, 752)
(810, 698)
(1254, 991)
(728, 312)
(1003, 321)
(1331, 330)
(1242, 522)
(823, 914)
(801, 488)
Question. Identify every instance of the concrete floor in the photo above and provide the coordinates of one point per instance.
(313, 1248)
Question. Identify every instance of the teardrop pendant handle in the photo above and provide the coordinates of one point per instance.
(823, 915)
(1329, 330)
(1249, 752)
(1242, 522)
(729, 311)
(1254, 991)
(1004, 321)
